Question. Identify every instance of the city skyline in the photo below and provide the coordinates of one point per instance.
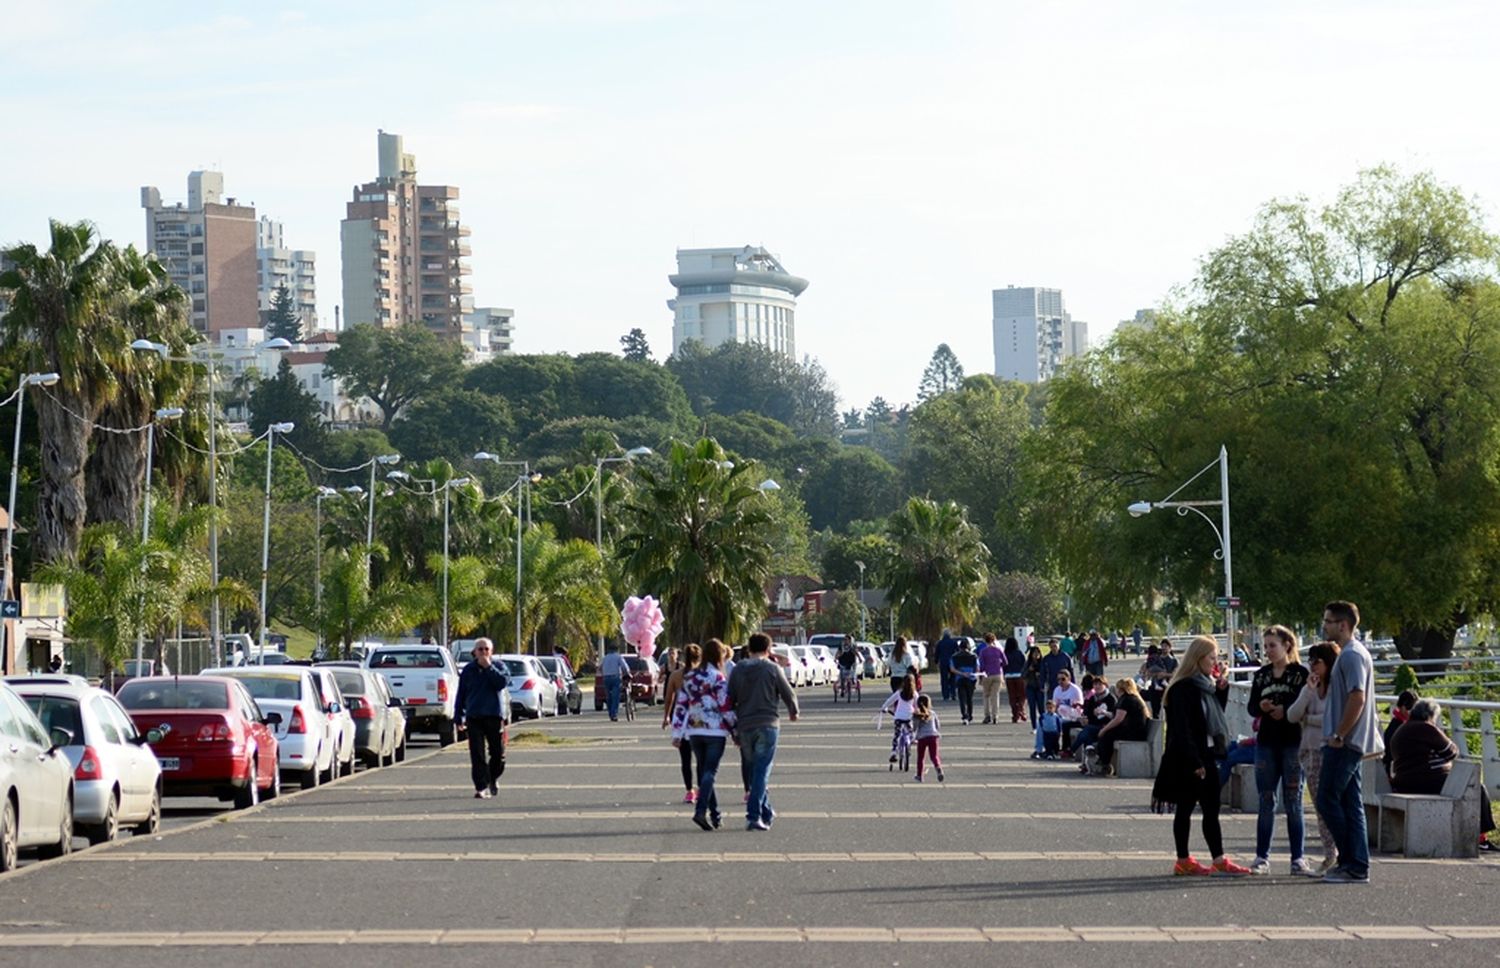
(909, 167)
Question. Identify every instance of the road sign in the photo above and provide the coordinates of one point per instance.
(1223, 602)
(10, 608)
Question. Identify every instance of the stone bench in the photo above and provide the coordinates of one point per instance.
(1138, 759)
(1241, 793)
(1441, 825)
(1374, 783)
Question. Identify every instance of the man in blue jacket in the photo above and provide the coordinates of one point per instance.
(1053, 662)
(479, 709)
(946, 648)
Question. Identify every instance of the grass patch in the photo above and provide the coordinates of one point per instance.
(534, 737)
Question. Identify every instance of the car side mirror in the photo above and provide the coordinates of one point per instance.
(152, 736)
(334, 709)
(60, 738)
(273, 719)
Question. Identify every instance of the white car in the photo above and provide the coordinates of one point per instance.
(816, 675)
(36, 785)
(826, 659)
(795, 668)
(116, 776)
(424, 678)
(533, 693)
(311, 749)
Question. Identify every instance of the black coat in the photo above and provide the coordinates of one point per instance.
(1189, 746)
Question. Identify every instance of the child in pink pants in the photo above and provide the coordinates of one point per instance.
(925, 721)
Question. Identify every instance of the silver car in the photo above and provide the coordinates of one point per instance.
(116, 776)
(36, 784)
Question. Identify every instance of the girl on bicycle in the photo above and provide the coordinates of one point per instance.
(927, 736)
(902, 706)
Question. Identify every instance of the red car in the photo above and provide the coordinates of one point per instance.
(217, 742)
(645, 677)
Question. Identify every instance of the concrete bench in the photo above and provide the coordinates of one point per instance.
(1241, 793)
(1441, 825)
(1139, 759)
(1373, 784)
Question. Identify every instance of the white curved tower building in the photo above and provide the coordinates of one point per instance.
(739, 295)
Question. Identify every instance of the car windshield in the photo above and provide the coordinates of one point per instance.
(350, 683)
(173, 694)
(57, 711)
(406, 659)
(273, 687)
(637, 664)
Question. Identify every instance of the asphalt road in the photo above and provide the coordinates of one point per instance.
(589, 857)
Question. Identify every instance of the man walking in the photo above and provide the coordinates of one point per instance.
(755, 687)
(992, 664)
(480, 711)
(615, 671)
(947, 647)
(1350, 733)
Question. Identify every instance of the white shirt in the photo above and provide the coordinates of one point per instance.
(1066, 698)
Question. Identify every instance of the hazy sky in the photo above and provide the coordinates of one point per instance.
(905, 158)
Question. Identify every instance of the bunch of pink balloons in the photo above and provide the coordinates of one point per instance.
(641, 623)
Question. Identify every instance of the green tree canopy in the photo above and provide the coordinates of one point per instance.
(856, 483)
(452, 422)
(939, 568)
(394, 367)
(281, 399)
(736, 377)
(635, 347)
(282, 322)
(943, 374)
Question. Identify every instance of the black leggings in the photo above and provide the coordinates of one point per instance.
(685, 752)
(1208, 799)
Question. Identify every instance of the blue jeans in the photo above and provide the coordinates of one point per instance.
(757, 752)
(1036, 703)
(1239, 754)
(1277, 767)
(1342, 809)
(612, 695)
(708, 750)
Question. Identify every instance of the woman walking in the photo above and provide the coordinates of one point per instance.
(902, 662)
(1015, 679)
(1189, 776)
(1307, 711)
(704, 718)
(1036, 690)
(1278, 746)
(691, 656)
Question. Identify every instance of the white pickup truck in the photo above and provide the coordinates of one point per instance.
(424, 679)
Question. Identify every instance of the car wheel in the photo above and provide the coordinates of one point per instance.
(9, 837)
(274, 790)
(64, 845)
(250, 795)
(108, 828)
(347, 768)
(310, 778)
(447, 735)
(400, 755)
(152, 824)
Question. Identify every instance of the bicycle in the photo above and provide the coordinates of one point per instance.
(903, 747)
(627, 701)
(848, 687)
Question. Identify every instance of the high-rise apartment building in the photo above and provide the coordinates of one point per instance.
(404, 250)
(739, 295)
(488, 332)
(208, 248)
(1034, 333)
(293, 268)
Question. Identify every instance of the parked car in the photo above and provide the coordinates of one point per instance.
(309, 731)
(36, 784)
(47, 679)
(645, 681)
(825, 658)
(816, 674)
(215, 740)
(797, 672)
(116, 776)
(872, 665)
(379, 723)
(570, 697)
(424, 678)
(533, 693)
(834, 640)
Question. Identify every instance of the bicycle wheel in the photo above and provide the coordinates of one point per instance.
(629, 706)
(859, 693)
(906, 755)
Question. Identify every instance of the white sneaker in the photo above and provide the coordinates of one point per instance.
(1301, 868)
(1260, 866)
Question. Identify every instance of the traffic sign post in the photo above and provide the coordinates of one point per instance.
(1223, 602)
(10, 608)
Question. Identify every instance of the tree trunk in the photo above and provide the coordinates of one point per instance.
(61, 504)
(1429, 642)
(116, 469)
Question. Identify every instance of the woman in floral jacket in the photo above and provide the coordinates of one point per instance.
(704, 718)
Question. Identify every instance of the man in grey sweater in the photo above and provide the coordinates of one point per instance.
(755, 686)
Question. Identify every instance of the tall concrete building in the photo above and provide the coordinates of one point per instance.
(1034, 333)
(488, 332)
(734, 295)
(208, 248)
(404, 250)
(278, 266)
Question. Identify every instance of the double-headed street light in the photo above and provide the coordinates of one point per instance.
(165, 413)
(630, 455)
(387, 460)
(447, 494)
(861, 566)
(1184, 507)
(323, 491)
(523, 481)
(265, 537)
(27, 380)
(210, 365)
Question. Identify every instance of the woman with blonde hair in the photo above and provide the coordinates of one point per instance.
(1131, 721)
(1278, 743)
(1197, 735)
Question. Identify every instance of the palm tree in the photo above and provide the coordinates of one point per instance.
(351, 607)
(143, 303)
(59, 307)
(563, 589)
(106, 590)
(179, 579)
(473, 597)
(696, 536)
(937, 570)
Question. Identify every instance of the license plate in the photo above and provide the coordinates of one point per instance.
(170, 763)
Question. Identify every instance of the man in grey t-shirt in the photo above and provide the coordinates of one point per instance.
(757, 687)
(1350, 734)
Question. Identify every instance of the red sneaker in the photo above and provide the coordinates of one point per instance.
(1226, 866)
(1189, 867)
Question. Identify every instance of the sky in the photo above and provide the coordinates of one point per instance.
(905, 159)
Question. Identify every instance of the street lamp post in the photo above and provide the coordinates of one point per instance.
(861, 566)
(210, 366)
(447, 494)
(165, 413)
(265, 536)
(1221, 530)
(522, 483)
(28, 380)
(323, 491)
(630, 455)
(388, 460)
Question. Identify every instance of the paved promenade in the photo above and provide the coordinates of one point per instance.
(588, 857)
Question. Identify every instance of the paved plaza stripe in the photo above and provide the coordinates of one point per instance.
(504, 814)
(811, 934)
(890, 783)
